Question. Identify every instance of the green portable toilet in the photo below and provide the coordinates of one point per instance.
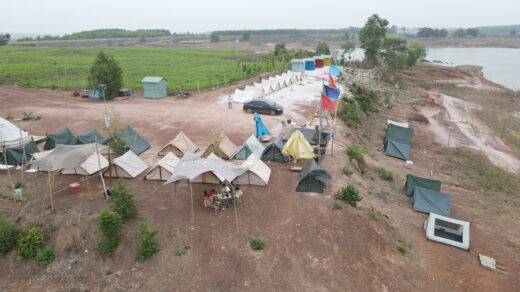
(154, 87)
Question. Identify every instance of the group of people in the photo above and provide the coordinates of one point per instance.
(216, 200)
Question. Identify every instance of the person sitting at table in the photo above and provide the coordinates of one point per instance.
(211, 193)
(215, 204)
(225, 189)
(238, 194)
(207, 200)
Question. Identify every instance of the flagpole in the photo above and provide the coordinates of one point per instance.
(321, 124)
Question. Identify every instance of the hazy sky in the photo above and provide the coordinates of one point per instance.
(66, 16)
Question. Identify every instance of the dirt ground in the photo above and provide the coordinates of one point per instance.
(310, 246)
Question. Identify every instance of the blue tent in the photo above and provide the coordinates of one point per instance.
(261, 129)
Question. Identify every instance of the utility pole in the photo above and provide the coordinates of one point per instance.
(449, 138)
(23, 145)
(57, 77)
(107, 124)
(321, 125)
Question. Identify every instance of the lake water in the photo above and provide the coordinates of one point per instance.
(501, 65)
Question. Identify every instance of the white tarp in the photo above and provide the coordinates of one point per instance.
(192, 169)
(163, 169)
(10, 135)
(287, 77)
(400, 124)
(214, 156)
(257, 173)
(90, 166)
(242, 96)
(257, 92)
(67, 156)
(127, 165)
(281, 81)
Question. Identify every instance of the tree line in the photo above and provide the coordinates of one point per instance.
(103, 34)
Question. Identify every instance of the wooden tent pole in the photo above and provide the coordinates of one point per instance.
(50, 189)
(235, 204)
(334, 127)
(192, 208)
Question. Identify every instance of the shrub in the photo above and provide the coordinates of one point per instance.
(384, 174)
(402, 249)
(30, 242)
(364, 97)
(179, 252)
(110, 224)
(256, 243)
(349, 194)
(349, 113)
(45, 256)
(346, 171)
(123, 202)
(354, 152)
(8, 236)
(337, 207)
(149, 244)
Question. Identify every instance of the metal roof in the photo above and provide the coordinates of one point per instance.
(151, 79)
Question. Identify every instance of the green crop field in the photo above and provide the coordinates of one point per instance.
(65, 67)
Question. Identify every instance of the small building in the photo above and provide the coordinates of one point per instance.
(318, 61)
(309, 64)
(297, 65)
(154, 87)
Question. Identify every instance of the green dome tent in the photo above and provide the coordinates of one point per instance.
(312, 178)
(64, 137)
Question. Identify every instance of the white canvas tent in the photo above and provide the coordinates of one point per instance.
(163, 169)
(93, 164)
(179, 145)
(257, 173)
(447, 231)
(288, 77)
(257, 92)
(213, 156)
(266, 84)
(127, 165)
(242, 95)
(274, 83)
(226, 148)
(298, 76)
(281, 81)
(10, 135)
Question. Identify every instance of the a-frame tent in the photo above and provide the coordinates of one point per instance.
(133, 141)
(427, 201)
(226, 148)
(163, 169)
(257, 173)
(251, 146)
(397, 141)
(14, 155)
(313, 178)
(266, 84)
(64, 137)
(273, 151)
(413, 181)
(91, 137)
(179, 145)
(127, 165)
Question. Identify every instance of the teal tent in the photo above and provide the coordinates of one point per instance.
(425, 200)
(413, 181)
(273, 151)
(397, 141)
(132, 140)
(64, 137)
(312, 178)
(14, 155)
(251, 146)
(90, 137)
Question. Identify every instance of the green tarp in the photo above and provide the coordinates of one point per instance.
(427, 201)
(64, 137)
(412, 181)
(14, 155)
(132, 140)
(90, 137)
(313, 178)
(397, 141)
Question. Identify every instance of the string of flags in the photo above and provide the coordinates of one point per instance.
(330, 91)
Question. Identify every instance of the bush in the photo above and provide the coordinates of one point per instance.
(149, 244)
(123, 202)
(30, 242)
(110, 224)
(364, 97)
(8, 236)
(402, 249)
(179, 252)
(256, 243)
(45, 256)
(346, 171)
(384, 174)
(349, 194)
(354, 152)
(337, 207)
(349, 113)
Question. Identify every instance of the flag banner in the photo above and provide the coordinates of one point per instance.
(332, 83)
(331, 92)
(334, 70)
(327, 104)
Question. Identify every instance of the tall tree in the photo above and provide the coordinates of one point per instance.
(394, 52)
(246, 36)
(214, 38)
(371, 37)
(322, 49)
(280, 49)
(105, 70)
(459, 33)
(348, 48)
(416, 52)
(472, 32)
(4, 39)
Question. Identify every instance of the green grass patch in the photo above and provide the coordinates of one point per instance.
(384, 174)
(34, 66)
(337, 207)
(402, 248)
(355, 152)
(346, 171)
(256, 243)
